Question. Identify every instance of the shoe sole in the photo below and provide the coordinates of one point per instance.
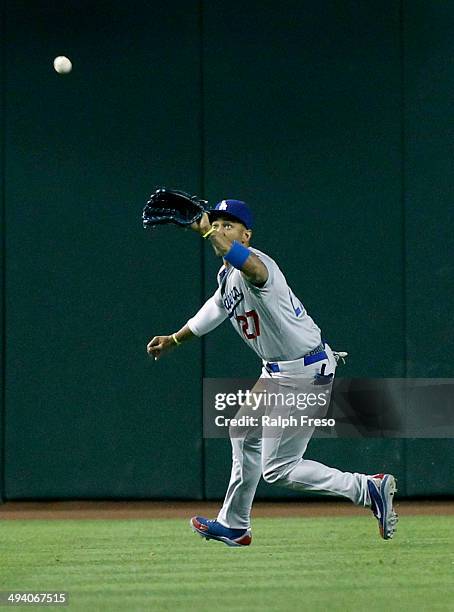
(226, 540)
(387, 490)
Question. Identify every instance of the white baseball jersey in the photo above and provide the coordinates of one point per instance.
(270, 319)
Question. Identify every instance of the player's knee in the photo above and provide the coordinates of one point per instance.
(272, 473)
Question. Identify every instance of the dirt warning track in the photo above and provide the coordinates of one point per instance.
(76, 510)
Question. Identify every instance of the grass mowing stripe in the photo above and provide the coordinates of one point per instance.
(315, 564)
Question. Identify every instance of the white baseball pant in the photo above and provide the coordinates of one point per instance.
(278, 455)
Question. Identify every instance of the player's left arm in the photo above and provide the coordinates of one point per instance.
(242, 258)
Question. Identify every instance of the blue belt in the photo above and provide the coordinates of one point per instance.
(317, 354)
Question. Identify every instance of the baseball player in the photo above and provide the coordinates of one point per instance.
(253, 293)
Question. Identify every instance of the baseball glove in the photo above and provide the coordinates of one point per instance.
(172, 206)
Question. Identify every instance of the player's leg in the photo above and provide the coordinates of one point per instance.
(308, 475)
(375, 491)
(283, 462)
(245, 475)
(232, 525)
(283, 448)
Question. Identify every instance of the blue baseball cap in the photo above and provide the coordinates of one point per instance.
(238, 210)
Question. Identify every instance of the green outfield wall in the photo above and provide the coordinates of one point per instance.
(333, 119)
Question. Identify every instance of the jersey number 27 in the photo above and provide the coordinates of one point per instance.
(249, 324)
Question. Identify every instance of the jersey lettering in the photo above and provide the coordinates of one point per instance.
(232, 299)
(250, 324)
(298, 310)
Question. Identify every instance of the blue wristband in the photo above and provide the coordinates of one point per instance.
(237, 255)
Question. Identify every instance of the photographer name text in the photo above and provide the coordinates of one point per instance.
(269, 421)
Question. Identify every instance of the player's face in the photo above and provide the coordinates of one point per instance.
(233, 230)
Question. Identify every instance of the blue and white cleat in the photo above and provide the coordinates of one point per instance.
(381, 490)
(212, 530)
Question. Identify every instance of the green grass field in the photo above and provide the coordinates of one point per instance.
(304, 564)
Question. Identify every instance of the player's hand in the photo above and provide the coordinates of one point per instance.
(202, 225)
(159, 345)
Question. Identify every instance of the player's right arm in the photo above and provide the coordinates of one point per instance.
(161, 344)
(205, 320)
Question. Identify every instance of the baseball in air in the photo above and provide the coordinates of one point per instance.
(62, 64)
